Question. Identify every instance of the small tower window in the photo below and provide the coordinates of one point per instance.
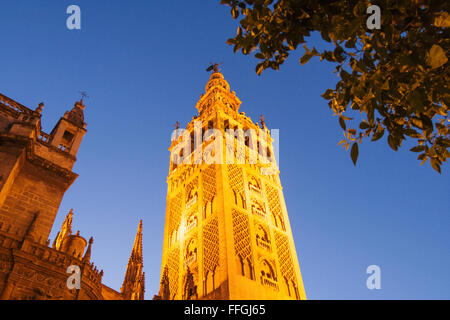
(68, 137)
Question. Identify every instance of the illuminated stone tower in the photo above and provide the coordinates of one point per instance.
(227, 233)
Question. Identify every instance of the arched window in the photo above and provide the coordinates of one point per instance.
(267, 270)
(191, 252)
(262, 239)
(209, 282)
(268, 276)
(191, 222)
(192, 197)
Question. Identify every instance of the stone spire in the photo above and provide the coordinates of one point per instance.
(133, 287)
(164, 291)
(87, 255)
(66, 230)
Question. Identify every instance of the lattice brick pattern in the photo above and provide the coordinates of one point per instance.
(211, 245)
(241, 231)
(209, 183)
(175, 212)
(273, 198)
(236, 178)
(173, 261)
(284, 256)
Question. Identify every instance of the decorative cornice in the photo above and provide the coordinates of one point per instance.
(39, 161)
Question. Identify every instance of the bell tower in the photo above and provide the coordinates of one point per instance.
(36, 167)
(227, 233)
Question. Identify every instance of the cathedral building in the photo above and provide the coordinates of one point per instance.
(35, 172)
(227, 233)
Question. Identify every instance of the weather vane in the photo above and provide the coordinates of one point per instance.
(83, 95)
(214, 66)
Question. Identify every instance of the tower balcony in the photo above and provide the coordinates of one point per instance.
(191, 225)
(265, 244)
(254, 188)
(258, 211)
(191, 202)
(269, 283)
(44, 137)
(190, 260)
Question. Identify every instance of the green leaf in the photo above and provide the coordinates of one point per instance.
(259, 55)
(234, 13)
(435, 165)
(412, 133)
(417, 123)
(436, 57)
(417, 149)
(328, 94)
(377, 135)
(442, 20)
(364, 125)
(392, 143)
(354, 153)
(306, 57)
(342, 123)
(393, 81)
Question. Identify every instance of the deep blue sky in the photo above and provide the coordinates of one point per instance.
(143, 66)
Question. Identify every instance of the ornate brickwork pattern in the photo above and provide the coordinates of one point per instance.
(175, 213)
(284, 256)
(241, 231)
(209, 183)
(273, 199)
(236, 178)
(173, 263)
(211, 245)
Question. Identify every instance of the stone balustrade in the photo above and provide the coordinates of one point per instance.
(263, 243)
(190, 260)
(13, 105)
(269, 283)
